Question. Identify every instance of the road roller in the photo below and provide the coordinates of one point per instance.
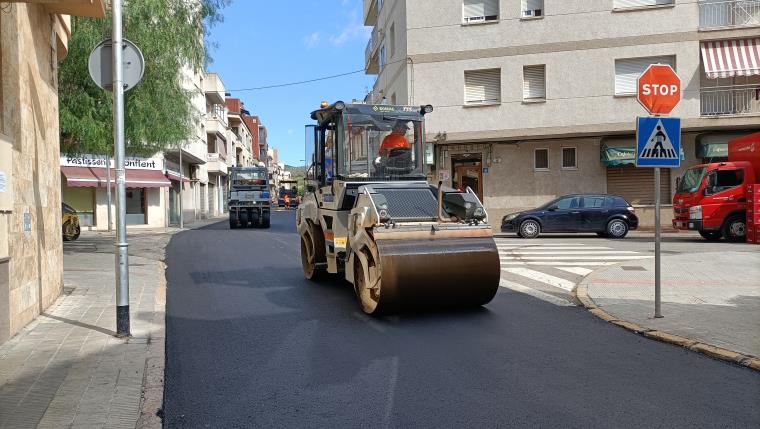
(370, 214)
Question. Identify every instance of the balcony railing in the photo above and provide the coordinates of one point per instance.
(730, 100)
(214, 157)
(728, 13)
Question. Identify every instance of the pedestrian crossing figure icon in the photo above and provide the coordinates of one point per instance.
(659, 142)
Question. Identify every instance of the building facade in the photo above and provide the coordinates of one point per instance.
(536, 98)
(34, 37)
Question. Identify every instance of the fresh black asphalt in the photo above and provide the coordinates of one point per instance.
(251, 343)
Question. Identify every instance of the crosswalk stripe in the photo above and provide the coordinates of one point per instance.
(551, 248)
(543, 278)
(527, 243)
(566, 258)
(559, 263)
(576, 270)
(535, 293)
(574, 252)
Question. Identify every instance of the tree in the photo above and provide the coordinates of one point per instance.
(158, 112)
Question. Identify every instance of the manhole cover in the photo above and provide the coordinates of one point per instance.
(633, 268)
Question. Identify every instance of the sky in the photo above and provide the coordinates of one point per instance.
(268, 43)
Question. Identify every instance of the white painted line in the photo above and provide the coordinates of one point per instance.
(528, 243)
(554, 258)
(543, 278)
(576, 270)
(565, 264)
(553, 248)
(543, 296)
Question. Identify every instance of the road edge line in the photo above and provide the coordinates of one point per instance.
(715, 352)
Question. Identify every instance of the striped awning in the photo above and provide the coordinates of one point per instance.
(730, 58)
(97, 178)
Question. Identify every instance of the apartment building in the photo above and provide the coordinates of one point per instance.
(536, 98)
(34, 37)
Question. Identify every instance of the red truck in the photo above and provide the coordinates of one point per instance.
(712, 198)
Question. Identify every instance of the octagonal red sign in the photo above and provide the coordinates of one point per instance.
(659, 89)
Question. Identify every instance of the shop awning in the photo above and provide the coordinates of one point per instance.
(174, 176)
(730, 58)
(616, 155)
(80, 177)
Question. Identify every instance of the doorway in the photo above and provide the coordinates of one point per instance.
(467, 171)
(136, 207)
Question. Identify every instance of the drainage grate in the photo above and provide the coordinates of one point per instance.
(633, 268)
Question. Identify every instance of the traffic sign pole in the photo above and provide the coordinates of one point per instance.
(657, 241)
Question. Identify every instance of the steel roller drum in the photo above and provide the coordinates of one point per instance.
(435, 273)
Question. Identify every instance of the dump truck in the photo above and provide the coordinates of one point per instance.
(712, 198)
(369, 213)
(249, 204)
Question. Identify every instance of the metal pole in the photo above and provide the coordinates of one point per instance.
(108, 191)
(657, 238)
(181, 191)
(122, 255)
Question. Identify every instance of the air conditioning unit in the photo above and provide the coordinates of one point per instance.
(475, 19)
(531, 13)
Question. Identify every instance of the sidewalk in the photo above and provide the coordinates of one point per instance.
(66, 369)
(708, 298)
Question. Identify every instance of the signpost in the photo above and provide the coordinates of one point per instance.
(658, 143)
(118, 70)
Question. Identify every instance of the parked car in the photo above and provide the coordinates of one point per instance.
(70, 223)
(607, 215)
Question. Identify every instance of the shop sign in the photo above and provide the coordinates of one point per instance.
(99, 161)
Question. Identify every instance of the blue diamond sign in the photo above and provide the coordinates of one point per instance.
(658, 142)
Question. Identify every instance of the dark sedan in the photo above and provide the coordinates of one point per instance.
(607, 215)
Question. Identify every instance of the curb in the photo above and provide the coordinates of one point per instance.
(715, 352)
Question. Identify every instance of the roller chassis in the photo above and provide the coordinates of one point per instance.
(255, 215)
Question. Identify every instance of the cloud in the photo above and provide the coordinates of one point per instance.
(312, 39)
(353, 30)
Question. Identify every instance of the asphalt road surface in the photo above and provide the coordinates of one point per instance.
(251, 343)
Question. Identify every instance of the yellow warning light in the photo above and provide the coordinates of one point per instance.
(323, 105)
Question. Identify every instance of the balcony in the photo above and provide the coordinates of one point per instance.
(216, 123)
(371, 10)
(721, 14)
(91, 8)
(213, 87)
(739, 100)
(371, 57)
(216, 163)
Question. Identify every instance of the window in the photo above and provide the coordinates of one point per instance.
(532, 8)
(541, 159)
(382, 56)
(628, 70)
(615, 202)
(723, 180)
(480, 10)
(392, 38)
(482, 86)
(569, 160)
(593, 202)
(567, 203)
(534, 82)
(627, 4)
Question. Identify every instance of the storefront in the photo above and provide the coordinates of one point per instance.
(85, 181)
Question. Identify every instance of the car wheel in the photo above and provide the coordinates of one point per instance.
(711, 235)
(530, 229)
(617, 228)
(735, 229)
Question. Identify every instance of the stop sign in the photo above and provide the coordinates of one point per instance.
(659, 89)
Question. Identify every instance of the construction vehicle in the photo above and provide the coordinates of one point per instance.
(713, 198)
(249, 203)
(289, 188)
(368, 212)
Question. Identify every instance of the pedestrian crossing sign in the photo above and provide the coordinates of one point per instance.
(658, 142)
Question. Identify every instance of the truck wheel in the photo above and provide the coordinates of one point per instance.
(233, 220)
(243, 215)
(266, 222)
(711, 235)
(735, 229)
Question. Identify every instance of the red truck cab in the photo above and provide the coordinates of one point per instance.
(712, 198)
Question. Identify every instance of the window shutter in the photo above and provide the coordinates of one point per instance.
(628, 70)
(534, 82)
(636, 185)
(480, 9)
(534, 5)
(622, 4)
(482, 86)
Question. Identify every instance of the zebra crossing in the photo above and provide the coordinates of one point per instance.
(550, 270)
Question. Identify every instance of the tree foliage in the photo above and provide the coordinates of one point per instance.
(158, 111)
